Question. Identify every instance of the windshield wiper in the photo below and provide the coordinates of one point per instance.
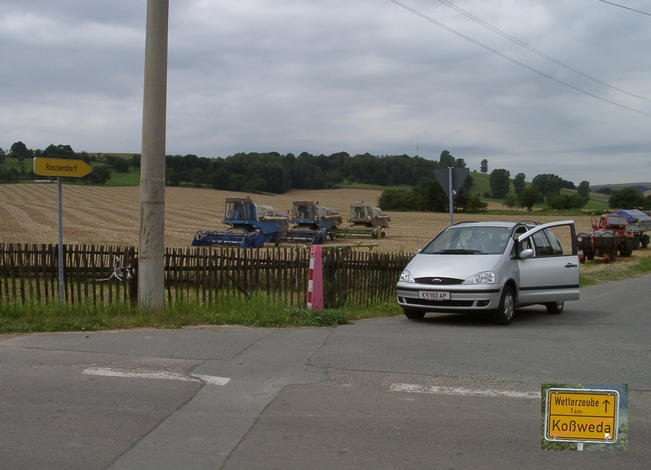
(456, 251)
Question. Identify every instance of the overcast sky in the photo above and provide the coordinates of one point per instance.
(533, 86)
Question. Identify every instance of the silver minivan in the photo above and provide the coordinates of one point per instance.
(492, 267)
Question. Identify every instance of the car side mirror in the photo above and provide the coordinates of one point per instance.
(526, 254)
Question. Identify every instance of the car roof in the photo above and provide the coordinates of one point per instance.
(496, 223)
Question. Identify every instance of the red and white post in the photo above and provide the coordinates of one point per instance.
(315, 280)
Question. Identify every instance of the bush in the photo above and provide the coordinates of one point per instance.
(566, 201)
(99, 175)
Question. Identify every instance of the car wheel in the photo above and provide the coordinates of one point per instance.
(504, 313)
(555, 307)
(413, 314)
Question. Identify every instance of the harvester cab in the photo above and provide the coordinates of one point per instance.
(251, 225)
(313, 223)
(365, 221)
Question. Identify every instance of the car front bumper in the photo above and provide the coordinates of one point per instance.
(470, 297)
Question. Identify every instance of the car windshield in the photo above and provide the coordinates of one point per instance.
(469, 239)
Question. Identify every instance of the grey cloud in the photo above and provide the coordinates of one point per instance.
(338, 75)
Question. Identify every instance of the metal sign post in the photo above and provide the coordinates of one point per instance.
(60, 251)
(451, 196)
(60, 167)
(451, 180)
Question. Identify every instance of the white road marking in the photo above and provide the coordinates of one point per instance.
(211, 379)
(460, 391)
(156, 375)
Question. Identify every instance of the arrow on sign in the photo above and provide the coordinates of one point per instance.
(61, 167)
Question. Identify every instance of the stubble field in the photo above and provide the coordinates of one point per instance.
(110, 215)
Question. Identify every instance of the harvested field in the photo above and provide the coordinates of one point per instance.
(109, 215)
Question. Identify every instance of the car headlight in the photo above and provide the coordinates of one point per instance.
(406, 276)
(485, 277)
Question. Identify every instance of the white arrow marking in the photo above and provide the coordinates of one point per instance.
(156, 375)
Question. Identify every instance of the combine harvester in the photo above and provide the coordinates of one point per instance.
(313, 223)
(365, 222)
(251, 225)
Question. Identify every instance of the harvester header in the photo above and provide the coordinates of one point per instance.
(313, 223)
(251, 225)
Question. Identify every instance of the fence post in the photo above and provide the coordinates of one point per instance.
(315, 279)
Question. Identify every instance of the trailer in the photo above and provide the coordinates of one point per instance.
(250, 225)
(365, 221)
(604, 244)
(313, 223)
(638, 223)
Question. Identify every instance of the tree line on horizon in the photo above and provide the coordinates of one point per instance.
(412, 181)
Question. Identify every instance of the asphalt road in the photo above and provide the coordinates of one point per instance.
(449, 392)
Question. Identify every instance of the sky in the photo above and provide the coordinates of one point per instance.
(533, 86)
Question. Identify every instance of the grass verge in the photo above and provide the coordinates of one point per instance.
(255, 312)
(643, 266)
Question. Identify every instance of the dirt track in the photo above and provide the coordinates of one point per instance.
(109, 215)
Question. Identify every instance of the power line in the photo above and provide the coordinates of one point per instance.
(536, 51)
(515, 61)
(625, 7)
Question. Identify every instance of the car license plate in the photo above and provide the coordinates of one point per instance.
(433, 295)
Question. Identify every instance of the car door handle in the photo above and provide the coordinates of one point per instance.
(571, 265)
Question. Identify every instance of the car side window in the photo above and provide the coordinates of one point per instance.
(557, 249)
(524, 244)
(541, 242)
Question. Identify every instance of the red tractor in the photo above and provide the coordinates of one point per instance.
(619, 224)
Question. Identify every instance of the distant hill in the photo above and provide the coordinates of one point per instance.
(642, 187)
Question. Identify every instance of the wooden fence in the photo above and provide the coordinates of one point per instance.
(100, 274)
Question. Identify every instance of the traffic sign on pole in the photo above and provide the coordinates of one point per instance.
(61, 167)
(451, 180)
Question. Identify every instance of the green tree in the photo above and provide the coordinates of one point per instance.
(2, 155)
(436, 199)
(566, 201)
(19, 150)
(173, 177)
(627, 198)
(59, 150)
(528, 197)
(402, 199)
(500, 182)
(99, 175)
(511, 201)
(121, 165)
(548, 184)
(469, 203)
(446, 160)
(584, 192)
(518, 183)
(484, 166)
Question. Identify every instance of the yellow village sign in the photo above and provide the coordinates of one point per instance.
(61, 167)
(581, 415)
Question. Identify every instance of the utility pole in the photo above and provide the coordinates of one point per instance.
(151, 254)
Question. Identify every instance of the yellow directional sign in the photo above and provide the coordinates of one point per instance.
(61, 167)
(581, 415)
